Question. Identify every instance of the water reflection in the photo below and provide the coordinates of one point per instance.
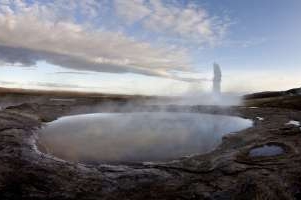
(266, 150)
(131, 137)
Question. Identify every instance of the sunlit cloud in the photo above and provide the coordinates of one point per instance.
(59, 33)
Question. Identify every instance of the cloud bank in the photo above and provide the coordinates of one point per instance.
(64, 33)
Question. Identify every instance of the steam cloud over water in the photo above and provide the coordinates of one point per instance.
(131, 137)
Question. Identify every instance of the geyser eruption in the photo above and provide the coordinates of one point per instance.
(217, 79)
(212, 97)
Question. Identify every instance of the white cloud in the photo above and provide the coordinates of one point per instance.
(191, 22)
(72, 34)
(34, 32)
(132, 11)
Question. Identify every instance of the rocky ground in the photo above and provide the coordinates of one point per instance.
(225, 173)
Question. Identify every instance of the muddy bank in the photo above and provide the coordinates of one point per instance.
(226, 173)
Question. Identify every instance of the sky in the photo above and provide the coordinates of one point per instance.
(150, 47)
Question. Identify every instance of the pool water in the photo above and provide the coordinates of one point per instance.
(266, 150)
(136, 137)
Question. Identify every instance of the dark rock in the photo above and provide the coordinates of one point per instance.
(225, 173)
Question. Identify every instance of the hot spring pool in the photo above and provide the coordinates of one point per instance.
(134, 137)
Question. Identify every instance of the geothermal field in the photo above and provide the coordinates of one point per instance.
(66, 146)
(150, 100)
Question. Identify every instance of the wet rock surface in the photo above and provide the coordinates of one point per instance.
(228, 172)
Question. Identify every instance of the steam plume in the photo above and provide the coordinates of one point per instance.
(217, 79)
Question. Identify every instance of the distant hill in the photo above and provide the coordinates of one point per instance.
(290, 99)
(270, 94)
(63, 93)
